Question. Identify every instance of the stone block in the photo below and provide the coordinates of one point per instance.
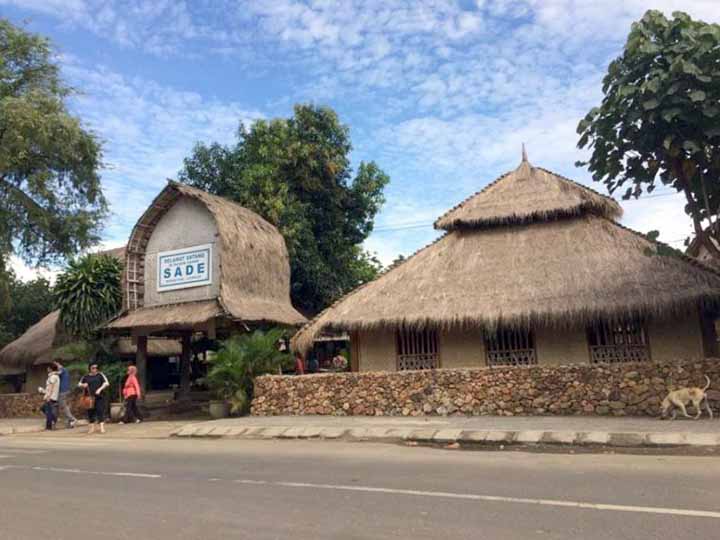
(529, 436)
(273, 432)
(332, 433)
(593, 437)
(447, 435)
(702, 439)
(665, 439)
(499, 436)
(560, 437)
(471, 436)
(627, 439)
(292, 433)
(422, 435)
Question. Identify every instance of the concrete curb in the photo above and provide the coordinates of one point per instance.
(449, 436)
(21, 429)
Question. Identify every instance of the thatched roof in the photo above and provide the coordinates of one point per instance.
(561, 271)
(40, 343)
(156, 347)
(35, 346)
(524, 195)
(174, 316)
(254, 266)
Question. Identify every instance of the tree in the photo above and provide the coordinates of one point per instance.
(659, 122)
(27, 303)
(89, 293)
(296, 173)
(51, 202)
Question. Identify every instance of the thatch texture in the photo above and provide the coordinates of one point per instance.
(174, 316)
(156, 347)
(560, 272)
(524, 195)
(254, 266)
(35, 346)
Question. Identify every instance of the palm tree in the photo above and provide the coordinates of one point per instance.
(88, 293)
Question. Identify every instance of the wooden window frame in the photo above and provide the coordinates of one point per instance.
(616, 342)
(510, 347)
(416, 349)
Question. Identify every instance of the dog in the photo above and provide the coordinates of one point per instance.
(677, 399)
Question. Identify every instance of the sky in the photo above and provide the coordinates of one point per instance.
(441, 94)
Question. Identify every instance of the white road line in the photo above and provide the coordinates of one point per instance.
(99, 473)
(495, 498)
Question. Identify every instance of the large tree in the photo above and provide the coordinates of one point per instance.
(26, 303)
(659, 120)
(296, 173)
(51, 203)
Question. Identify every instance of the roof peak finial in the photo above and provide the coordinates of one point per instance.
(524, 154)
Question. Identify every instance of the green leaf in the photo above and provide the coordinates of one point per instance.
(670, 114)
(650, 104)
(697, 95)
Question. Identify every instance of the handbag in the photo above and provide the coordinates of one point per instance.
(87, 402)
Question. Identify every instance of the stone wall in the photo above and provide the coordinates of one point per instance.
(28, 405)
(630, 389)
(20, 405)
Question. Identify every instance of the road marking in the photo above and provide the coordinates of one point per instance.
(99, 473)
(494, 498)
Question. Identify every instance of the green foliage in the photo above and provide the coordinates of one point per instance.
(51, 202)
(296, 173)
(241, 359)
(115, 372)
(22, 304)
(89, 293)
(659, 122)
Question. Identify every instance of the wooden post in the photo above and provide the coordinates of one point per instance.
(185, 366)
(355, 351)
(141, 362)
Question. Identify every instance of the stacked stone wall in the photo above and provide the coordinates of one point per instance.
(631, 389)
(28, 405)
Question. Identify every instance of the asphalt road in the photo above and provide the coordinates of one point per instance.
(101, 488)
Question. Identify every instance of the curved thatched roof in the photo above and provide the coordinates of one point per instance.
(559, 272)
(254, 265)
(40, 343)
(35, 346)
(524, 195)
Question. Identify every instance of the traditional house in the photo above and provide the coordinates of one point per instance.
(198, 265)
(533, 269)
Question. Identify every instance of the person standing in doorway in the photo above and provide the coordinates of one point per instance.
(299, 364)
(51, 392)
(95, 382)
(63, 404)
(132, 393)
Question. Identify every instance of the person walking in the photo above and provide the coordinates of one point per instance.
(95, 382)
(63, 404)
(132, 393)
(51, 392)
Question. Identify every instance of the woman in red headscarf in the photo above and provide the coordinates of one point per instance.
(131, 393)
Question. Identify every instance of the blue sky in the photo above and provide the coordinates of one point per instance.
(439, 93)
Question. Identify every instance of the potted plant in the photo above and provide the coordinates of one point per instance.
(115, 373)
(233, 368)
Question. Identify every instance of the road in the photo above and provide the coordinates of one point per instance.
(102, 488)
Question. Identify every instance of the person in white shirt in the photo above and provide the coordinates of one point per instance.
(51, 392)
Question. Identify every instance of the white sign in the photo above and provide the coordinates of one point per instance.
(183, 268)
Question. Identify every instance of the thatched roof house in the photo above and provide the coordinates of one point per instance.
(533, 262)
(250, 267)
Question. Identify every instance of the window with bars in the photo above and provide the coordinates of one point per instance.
(417, 349)
(510, 347)
(618, 342)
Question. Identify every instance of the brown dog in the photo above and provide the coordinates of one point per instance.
(677, 399)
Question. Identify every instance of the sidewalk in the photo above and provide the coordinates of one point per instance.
(572, 430)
